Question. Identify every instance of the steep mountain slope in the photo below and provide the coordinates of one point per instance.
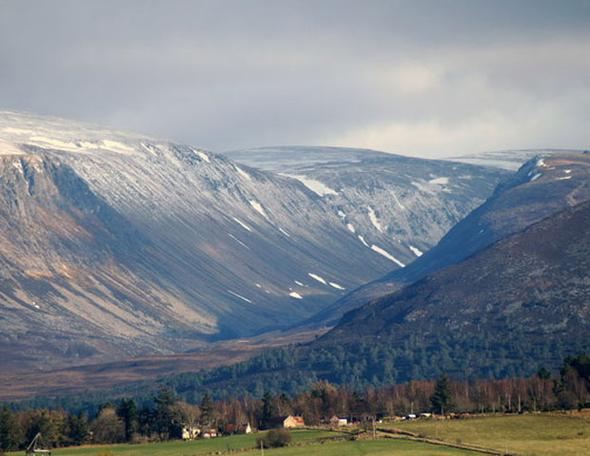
(398, 206)
(116, 244)
(520, 303)
(66, 260)
(541, 187)
(532, 287)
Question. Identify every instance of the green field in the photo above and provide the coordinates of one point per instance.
(188, 448)
(526, 435)
(368, 448)
(307, 442)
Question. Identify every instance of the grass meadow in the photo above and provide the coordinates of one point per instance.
(526, 435)
(304, 443)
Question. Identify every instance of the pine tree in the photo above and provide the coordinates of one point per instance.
(268, 410)
(78, 429)
(543, 373)
(10, 432)
(441, 399)
(207, 410)
(165, 420)
(127, 411)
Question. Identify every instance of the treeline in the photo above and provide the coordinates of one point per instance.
(124, 421)
(358, 365)
(371, 362)
(165, 415)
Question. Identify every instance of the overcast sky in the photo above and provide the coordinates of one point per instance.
(414, 77)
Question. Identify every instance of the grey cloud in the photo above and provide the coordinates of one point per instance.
(416, 77)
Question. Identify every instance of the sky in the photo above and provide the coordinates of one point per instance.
(423, 78)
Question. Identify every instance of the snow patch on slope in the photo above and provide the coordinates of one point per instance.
(401, 206)
(243, 173)
(239, 296)
(80, 146)
(237, 240)
(416, 251)
(202, 155)
(374, 219)
(242, 224)
(318, 278)
(319, 188)
(387, 255)
(116, 146)
(258, 208)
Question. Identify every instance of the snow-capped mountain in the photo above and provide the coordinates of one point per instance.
(397, 206)
(543, 186)
(114, 244)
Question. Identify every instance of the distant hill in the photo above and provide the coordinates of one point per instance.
(530, 287)
(543, 186)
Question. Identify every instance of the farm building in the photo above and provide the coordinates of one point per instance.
(209, 434)
(336, 421)
(237, 429)
(293, 422)
(287, 422)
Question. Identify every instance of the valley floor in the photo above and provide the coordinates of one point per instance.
(29, 381)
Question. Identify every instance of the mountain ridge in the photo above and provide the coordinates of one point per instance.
(517, 202)
(399, 206)
(200, 248)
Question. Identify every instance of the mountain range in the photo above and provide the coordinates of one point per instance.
(542, 186)
(509, 299)
(116, 244)
(389, 202)
(524, 250)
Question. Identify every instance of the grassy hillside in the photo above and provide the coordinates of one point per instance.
(525, 435)
(308, 442)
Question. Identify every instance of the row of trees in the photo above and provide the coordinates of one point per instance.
(124, 421)
(164, 416)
